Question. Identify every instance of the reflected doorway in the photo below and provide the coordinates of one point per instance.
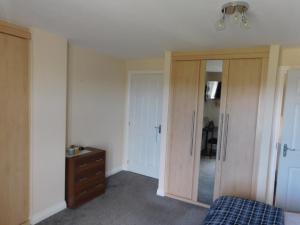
(211, 114)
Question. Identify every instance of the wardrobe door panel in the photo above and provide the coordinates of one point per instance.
(185, 75)
(243, 91)
(14, 130)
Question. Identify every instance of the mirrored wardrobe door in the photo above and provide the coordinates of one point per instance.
(210, 128)
(222, 125)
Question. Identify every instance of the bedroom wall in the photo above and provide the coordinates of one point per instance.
(96, 103)
(48, 123)
(145, 64)
(290, 57)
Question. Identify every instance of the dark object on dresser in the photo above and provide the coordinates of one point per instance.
(85, 177)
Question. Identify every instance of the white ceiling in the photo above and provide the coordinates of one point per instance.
(145, 28)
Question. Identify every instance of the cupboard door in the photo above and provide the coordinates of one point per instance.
(14, 130)
(185, 76)
(243, 89)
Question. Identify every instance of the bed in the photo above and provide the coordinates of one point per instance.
(228, 210)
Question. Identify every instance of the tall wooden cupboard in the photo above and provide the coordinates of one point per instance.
(14, 125)
(242, 86)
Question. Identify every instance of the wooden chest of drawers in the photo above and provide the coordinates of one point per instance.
(85, 177)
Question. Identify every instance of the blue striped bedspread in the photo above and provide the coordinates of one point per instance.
(228, 210)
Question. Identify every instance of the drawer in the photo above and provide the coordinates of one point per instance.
(84, 178)
(91, 168)
(90, 193)
(88, 186)
(91, 159)
(88, 182)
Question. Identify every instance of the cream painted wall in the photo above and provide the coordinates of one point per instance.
(96, 103)
(290, 57)
(48, 123)
(145, 64)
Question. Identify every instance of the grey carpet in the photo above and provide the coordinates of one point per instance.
(130, 199)
(206, 180)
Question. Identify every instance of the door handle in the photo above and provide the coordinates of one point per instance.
(286, 148)
(226, 136)
(221, 136)
(158, 131)
(193, 130)
(158, 128)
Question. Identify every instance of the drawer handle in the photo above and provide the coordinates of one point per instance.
(98, 185)
(83, 179)
(98, 173)
(99, 160)
(82, 193)
(83, 165)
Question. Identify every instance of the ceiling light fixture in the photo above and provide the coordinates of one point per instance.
(237, 11)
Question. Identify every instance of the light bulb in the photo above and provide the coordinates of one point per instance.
(236, 17)
(220, 24)
(245, 24)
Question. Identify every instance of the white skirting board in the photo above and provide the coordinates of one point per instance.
(160, 192)
(38, 217)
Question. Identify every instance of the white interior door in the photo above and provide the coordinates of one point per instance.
(288, 182)
(145, 114)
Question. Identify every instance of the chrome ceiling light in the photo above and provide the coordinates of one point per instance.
(237, 11)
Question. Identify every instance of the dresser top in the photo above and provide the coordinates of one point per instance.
(88, 151)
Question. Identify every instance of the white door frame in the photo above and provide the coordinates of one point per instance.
(127, 109)
(277, 130)
(288, 164)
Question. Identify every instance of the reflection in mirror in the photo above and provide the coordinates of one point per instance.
(212, 90)
(211, 114)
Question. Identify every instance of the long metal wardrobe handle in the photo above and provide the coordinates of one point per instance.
(221, 136)
(226, 136)
(193, 130)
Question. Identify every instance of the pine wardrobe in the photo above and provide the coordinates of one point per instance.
(14, 125)
(243, 81)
